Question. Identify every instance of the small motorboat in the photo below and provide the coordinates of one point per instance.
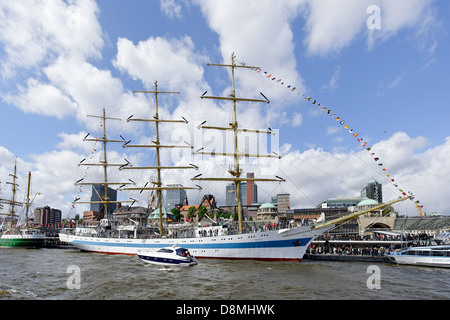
(168, 256)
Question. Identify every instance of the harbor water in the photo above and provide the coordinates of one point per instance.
(68, 274)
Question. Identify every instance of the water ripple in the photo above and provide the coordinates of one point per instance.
(42, 274)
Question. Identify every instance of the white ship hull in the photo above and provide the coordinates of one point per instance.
(285, 244)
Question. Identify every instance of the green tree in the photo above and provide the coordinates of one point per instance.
(191, 212)
(202, 211)
(176, 212)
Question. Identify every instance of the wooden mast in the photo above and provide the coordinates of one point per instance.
(103, 199)
(14, 185)
(236, 173)
(13, 201)
(158, 186)
(27, 204)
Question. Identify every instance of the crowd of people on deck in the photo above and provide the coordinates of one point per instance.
(364, 249)
(343, 249)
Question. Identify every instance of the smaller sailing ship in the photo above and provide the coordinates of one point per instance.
(19, 236)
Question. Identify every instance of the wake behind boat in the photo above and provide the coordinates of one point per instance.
(174, 255)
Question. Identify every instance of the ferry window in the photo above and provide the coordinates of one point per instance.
(410, 253)
(438, 253)
(423, 253)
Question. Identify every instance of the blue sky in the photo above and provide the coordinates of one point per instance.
(62, 60)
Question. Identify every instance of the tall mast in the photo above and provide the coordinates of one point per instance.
(27, 203)
(13, 201)
(103, 198)
(236, 173)
(13, 185)
(157, 185)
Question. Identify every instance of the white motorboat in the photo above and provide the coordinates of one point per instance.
(168, 256)
(430, 256)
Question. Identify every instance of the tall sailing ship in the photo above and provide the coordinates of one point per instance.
(224, 241)
(16, 235)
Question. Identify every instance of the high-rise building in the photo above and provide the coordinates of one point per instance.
(46, 216)
(98, 192)
(175, 197)
(283, 202)
(230, 197)
(373, 190)
(249, 193)
(251, 190)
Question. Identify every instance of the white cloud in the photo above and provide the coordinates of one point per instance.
(259, 33)
(52, 175)
(90, 87)
(315, 175)
(333, 84)
(334, 25)
(171, 8)
(172, 62)
(383, 87)
(42, 98)
(35, 32)
(54, 40)
(297, 119)
(75, 88)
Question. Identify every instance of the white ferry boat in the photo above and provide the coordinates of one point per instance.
(430, 256)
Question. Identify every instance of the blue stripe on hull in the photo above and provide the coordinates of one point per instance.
(227, 245)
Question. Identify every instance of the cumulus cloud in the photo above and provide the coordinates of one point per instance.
(169, 61)
(55, 41)
(334, 25)
(171, 8)
(42, 98)
(265, 35)
(35, 32)
(313, 175)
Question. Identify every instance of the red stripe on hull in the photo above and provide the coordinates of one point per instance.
(110, 253)
(259, 259)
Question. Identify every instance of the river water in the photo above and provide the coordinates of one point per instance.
(68, 274)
